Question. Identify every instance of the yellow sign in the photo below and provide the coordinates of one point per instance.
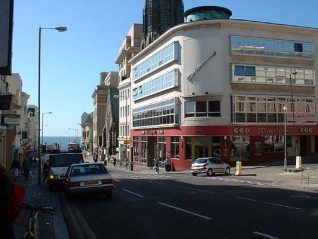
(127, 142)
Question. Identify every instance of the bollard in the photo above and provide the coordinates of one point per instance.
(298, 162)
(238, 168)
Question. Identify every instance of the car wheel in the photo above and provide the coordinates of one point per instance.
(194, 174)
(227, 171)
(209, 172)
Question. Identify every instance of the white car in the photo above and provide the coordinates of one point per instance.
(58, 165)
(209, 166)
(88, 178)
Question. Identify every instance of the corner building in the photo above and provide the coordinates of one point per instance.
(227, 88)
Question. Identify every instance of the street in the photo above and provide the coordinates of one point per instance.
(182, 206)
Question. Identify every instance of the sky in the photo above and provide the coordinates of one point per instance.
(72, 60)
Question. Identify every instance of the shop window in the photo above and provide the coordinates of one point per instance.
(274, 143)
(188, 143)
(175, 147)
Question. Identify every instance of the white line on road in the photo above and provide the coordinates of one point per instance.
(265, 235)
(136, 194)
(182, 210)
(275, 204)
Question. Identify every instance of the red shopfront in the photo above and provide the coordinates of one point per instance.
(250, 144)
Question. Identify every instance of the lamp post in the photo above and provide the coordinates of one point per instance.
(42, 124)
(285, 137)
(59, 29)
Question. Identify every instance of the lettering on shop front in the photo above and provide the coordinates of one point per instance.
(264, 131)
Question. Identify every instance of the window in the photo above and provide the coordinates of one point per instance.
(271, 47)
(239, 71)
(189, 108)
(201, 109)
(188, 143)
(250, 71)
(214, 108)
(175, 147)
(298, 47)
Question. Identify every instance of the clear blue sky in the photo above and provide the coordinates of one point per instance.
(72, 60)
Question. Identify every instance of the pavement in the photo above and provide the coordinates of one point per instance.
(51, 226)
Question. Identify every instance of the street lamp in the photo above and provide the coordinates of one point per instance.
(285, 137)
(59, 29)
(42, 124)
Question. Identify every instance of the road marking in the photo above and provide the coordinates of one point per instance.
(274, 204)
(182, 210)
(265, 235)
(136, 194)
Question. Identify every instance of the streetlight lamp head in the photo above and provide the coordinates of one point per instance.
(285, 108)
(61, 29)
(294, 72)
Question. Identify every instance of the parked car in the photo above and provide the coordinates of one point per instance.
(209, 166)
(58, 164)
(88, 178)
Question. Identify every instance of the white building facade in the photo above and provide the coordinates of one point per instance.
(128, 49)
(219, 87)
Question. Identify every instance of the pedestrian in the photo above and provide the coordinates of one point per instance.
(168, 164)
(156, 164)
(26, 168)
(15, 168)
(46, 170)
(114, 161)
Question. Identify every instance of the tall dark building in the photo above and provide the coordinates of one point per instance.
(159, 16)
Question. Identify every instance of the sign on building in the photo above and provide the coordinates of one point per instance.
(6, 27)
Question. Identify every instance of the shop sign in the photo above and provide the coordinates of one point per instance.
(241, 130)
(11, 119)
(270, 131)
(305, 130)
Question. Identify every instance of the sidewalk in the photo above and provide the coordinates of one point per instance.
(272, 174)
(51, 226)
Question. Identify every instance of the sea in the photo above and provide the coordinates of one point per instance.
(61, 140)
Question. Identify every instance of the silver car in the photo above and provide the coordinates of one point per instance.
(209, 166)
(88, 178)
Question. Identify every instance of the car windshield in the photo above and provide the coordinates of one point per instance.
(88, 169)
(201, 160)
(65, 160)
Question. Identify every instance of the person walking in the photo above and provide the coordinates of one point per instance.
(168, 164)
(156, 164)
(15, 168)
(26, 168)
